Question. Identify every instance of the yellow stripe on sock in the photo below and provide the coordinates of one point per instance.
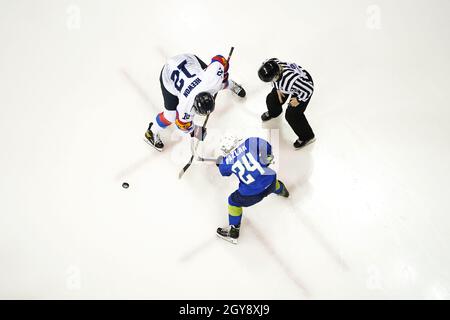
(234, 211)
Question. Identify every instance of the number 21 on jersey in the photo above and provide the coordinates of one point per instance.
(247, 164)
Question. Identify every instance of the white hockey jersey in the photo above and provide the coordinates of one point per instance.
(184, 77)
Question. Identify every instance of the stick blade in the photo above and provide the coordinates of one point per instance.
(185, 168)
(181, 173)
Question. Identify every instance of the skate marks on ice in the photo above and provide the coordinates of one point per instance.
(134, 167)
(198, 249)
(146, 160)
(140, 163)
(298, 185)
(266, 245)
(296, 181)
(138, 88)
(273, 253)
(319, 237)
(302, 159)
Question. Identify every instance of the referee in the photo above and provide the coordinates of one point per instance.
(289, 80)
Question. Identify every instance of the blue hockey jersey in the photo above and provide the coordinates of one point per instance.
(249, 162)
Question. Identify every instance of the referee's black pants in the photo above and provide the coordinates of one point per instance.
(295, 116)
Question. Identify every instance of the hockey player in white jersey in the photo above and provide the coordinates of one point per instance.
(188, 86)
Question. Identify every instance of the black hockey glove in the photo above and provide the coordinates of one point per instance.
(199, 133)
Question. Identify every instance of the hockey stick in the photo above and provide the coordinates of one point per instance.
(207, 159)
(203, 127)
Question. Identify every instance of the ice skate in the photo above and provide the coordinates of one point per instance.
(237, 89)
(266, 116)
(230, 233)
(284, 191)
(153, 139)
(298, 144)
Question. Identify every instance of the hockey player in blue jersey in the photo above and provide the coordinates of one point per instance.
(249, 161)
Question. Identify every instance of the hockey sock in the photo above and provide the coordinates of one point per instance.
(160, 123)
(234, 215)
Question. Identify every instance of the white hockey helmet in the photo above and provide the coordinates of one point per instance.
(228, 143)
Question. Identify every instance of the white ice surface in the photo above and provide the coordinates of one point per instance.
(369, 210)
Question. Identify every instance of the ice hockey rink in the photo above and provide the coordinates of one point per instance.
(368, 216)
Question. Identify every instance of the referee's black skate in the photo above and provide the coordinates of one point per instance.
(298, 144)
(266, 116)
(237, 89)
(153, 139)
(230, 233)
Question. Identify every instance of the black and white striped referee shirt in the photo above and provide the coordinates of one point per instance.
(294, 80)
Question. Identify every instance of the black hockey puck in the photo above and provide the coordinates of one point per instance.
(125, 185)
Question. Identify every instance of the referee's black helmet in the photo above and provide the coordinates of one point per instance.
(269, 71)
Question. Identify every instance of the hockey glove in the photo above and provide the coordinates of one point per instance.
(268, 160)
(219, 160)
(225, 79)
(221, 59)
(199, 133)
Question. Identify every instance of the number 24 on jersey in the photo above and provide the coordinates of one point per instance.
(244, 166)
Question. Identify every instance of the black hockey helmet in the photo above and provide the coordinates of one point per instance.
(269, 70)
(204, 103)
